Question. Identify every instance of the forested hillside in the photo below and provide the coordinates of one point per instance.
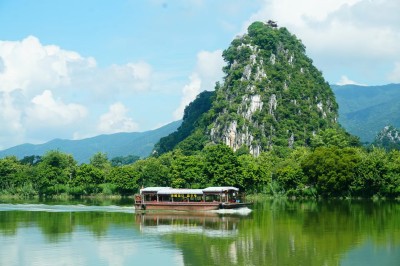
(365, 110)
(191, 121)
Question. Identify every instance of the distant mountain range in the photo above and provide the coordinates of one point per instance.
(365, 110)
(119, 144)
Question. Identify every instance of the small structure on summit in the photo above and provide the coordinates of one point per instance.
(272, 23)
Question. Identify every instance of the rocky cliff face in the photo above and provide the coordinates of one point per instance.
(388, 138)
(272, 94)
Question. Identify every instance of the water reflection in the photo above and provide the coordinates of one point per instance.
(321, 232)
(36, 234)
(274, 233)
(198, 223)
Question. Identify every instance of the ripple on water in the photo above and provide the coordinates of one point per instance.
(64, 208)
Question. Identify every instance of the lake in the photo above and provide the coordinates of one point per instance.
(274, 232)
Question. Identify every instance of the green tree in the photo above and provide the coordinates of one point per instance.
(332, 170)
(86, 181)
(290, 175)
(124, 160)
(249, 173)
(54, 172)
(187, 171)
(267, 162)
(100, 160)
(10, 172)
(334, 137)
(152, 172)
(391, 187)
(372, 170)
(221, 166)
(124, 179)
(31, 160)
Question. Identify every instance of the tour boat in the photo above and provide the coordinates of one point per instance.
(183, 199)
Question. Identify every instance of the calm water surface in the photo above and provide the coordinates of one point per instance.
(273, 233)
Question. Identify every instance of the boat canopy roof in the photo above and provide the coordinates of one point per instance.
(219, 189)
(153, 189)
(169, 191)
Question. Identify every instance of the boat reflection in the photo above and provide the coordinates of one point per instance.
(211, 224)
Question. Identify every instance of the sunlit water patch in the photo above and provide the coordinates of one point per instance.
(241, 211)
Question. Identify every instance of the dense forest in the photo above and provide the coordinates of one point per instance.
(333, 166)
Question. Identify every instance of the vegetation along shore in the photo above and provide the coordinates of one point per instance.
(321, 171)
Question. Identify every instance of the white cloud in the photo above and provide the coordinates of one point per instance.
(12, 130)
(189, 91)
(2, 67)
(359, 35)
(394, 76)
(116, 120)
(118, 79)
(48, 92)
(344, 80)
(298, 13)
(209, 68)
(30, 66)
(207, 72)
(52, 112)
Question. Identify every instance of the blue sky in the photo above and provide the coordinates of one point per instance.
(75, 69)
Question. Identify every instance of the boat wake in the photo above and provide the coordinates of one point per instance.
(63, 208)
(240, 211)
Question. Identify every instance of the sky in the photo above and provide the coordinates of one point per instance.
(74, 69)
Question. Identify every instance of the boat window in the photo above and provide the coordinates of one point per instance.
(212, 197)
(165, 198)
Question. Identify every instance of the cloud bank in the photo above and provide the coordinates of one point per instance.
(207, 72)
(46, 91)
(355, 38)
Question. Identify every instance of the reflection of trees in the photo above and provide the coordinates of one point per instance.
(276, 233)
(55, 225)
(318, 233)
(296, 233)
(9, 222)
(59, 225)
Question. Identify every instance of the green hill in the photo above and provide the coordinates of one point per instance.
(271, 96)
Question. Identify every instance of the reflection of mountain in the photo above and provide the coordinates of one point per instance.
(205, 223)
